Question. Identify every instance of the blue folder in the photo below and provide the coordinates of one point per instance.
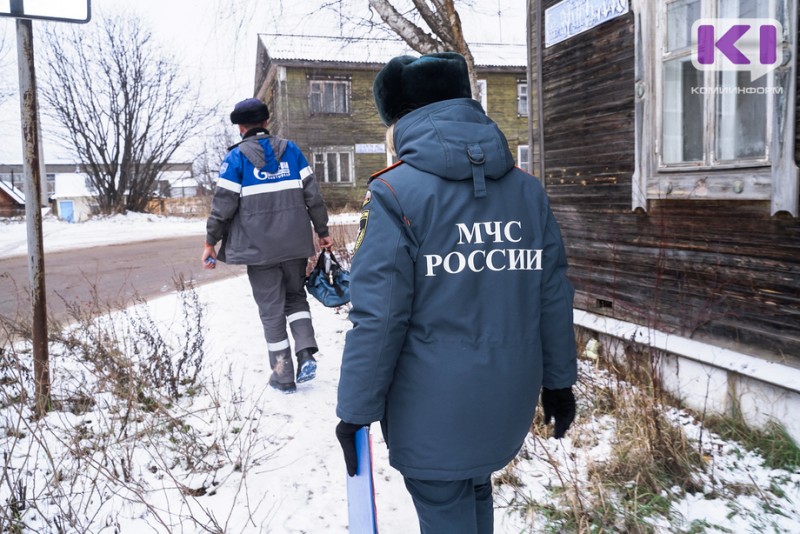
(361, 489)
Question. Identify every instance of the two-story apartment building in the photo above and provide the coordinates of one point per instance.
(319, 92)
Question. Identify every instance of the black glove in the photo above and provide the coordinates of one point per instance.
(560, 405)
(346, 434)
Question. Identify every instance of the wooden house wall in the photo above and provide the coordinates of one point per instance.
(724, 272)
(9, 207)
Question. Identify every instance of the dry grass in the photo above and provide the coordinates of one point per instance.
(124, 415)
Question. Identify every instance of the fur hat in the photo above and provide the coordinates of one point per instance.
(407, 83)
(250, 111)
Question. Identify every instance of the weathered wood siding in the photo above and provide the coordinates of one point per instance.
(8, 207)
(725, 272)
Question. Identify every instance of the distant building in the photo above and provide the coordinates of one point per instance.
(12, 200)
(68, 189)
(13, 175)
(319, 92)
(74, 200)
(179, 182)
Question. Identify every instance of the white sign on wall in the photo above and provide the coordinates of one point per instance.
(59, 10)
(370, 148)
(571, 17)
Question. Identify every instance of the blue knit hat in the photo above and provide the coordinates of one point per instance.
(249, 111)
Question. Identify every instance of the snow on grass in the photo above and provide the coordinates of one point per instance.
(61, 235)
(108, 230)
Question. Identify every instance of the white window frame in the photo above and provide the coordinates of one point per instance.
(482, 88)
(710, 103)
(522, 98)
(322, 153)
(524, 158)
(315, 87)
(773, 178)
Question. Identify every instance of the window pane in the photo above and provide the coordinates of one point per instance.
(344, 167)
(522, 99)
(741, 117)
(333, 167)
(319, 166)
(522, 158)
(680, 17)
(682, 131)
(482, 94)
(341, 97)
(327, 98)
(314, 97)
(744, 9)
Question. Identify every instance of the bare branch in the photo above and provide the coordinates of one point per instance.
(412, 34)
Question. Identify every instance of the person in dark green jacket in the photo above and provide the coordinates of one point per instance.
(461, 306)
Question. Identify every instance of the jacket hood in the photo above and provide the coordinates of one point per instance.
(455, 140)
(263, 151)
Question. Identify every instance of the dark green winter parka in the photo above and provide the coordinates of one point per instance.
(461, 305)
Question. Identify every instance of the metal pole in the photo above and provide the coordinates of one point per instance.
(32, 160)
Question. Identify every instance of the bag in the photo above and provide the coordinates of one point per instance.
(328, 282)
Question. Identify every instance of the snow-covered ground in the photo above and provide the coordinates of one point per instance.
(61, 235)
(236, 456)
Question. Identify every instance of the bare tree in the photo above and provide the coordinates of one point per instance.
(215, 147)
(6, 88)
(441, 19)
(123, 103)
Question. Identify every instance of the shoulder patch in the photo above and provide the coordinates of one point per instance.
(389, 168)
(362, 230)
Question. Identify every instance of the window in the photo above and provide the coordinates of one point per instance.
(733, 107)
(329, 96)
(523, 158)
(482, 94)
(334, 165)
(51, 184)
(522, 98)
(711, 134)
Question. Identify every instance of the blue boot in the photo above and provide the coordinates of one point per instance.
(306, 366)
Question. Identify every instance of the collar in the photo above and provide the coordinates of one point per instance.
(255, 131)
(252, 132)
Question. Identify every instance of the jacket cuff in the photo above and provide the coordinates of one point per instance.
(323, 233)
(211, 240)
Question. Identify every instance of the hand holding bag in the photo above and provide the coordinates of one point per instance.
(328, 282)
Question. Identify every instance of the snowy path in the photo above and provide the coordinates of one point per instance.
(301, 485)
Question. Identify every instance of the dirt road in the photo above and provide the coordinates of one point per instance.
(116, 272)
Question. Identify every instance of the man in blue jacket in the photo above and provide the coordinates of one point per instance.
(462, 311)
(264, 206)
